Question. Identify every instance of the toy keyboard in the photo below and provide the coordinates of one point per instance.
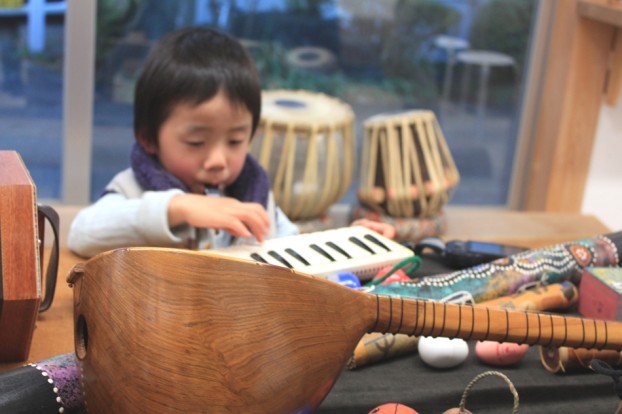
(354, 249)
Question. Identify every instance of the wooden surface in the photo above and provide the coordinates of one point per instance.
(573, 93)
(529, 229)
(53, 333)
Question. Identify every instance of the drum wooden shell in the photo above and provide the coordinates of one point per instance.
(406, 167)
(306, 143)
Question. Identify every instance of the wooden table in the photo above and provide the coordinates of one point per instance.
(53, 334)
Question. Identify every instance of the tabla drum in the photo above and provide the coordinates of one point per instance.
(406, 167)
(306, 143)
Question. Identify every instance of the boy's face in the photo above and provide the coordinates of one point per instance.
(205, 144)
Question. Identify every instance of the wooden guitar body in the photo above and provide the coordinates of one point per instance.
(175, 331)
(167, 331)
(20, 291)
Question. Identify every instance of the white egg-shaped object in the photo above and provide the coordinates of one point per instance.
(443, 352)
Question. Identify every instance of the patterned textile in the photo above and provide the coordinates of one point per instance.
(49, 386)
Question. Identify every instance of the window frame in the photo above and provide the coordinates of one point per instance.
(78, 100)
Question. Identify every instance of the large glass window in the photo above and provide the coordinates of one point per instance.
(464, 60)
(31, 84)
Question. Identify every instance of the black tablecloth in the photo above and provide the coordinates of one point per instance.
(407, 380)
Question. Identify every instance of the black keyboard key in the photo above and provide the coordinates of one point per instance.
(280, 258)
(375, 240)
(258, 258)
(322, 252)
(360, 244)
(339, 249)
(297, 255)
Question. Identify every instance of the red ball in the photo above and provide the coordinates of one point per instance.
(393, 408)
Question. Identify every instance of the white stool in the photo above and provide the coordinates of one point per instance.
(485, 60)
(451, 45)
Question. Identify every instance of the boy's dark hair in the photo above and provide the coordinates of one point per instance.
(191, 66)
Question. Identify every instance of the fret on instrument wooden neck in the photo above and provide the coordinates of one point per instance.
(430, 318)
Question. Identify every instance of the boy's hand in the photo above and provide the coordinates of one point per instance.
(385, 229)
(225, 213)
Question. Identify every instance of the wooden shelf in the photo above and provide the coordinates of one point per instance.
(584, 70)
(608, 12)
(604, 11)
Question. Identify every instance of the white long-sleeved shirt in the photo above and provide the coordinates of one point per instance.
(128, 216)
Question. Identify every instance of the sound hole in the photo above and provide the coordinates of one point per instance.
(82, 337)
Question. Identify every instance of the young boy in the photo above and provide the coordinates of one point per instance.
(191, 183)
(197, 105)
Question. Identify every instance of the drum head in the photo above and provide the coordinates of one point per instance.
(304, 108)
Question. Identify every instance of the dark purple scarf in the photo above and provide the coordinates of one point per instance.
(252, 185)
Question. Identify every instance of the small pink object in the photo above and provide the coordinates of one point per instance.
(398, 276)
(393, 408)
(500, 353)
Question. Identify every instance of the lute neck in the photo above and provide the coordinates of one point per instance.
(431, 318)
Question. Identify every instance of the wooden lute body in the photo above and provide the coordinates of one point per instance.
(165, 330)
